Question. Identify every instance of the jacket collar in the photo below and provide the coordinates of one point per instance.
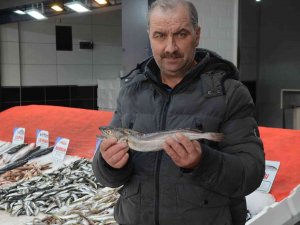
(207, 61)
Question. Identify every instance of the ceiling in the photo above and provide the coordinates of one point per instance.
(8, 16)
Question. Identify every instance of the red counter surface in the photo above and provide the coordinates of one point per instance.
(79, 125)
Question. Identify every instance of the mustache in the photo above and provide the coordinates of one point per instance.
(173, 55)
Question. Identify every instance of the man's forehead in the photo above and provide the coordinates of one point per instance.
(174, 28)
(176, 17)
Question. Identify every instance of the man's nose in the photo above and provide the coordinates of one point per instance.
(171, 45)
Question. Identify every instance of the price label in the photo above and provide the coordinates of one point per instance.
(18, 136)
(42, 138)
(270, 173)
(60, 149)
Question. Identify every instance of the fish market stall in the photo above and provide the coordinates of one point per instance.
(32, 186)
(35, 190)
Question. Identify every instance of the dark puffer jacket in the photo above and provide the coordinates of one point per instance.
(156, 191)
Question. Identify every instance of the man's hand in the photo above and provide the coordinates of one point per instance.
(115, 154)
(184, 152)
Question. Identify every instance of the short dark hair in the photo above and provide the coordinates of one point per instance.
(170, 4)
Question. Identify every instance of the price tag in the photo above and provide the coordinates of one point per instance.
(42, 138)
(60, 149)
(270, 173)
(18, 136)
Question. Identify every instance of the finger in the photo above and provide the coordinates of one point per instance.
(197, 146)
(114, 159)
(177, 146)
(106, 143)
(186, 143)
(113, 150)
(122, 161)
(170, 151)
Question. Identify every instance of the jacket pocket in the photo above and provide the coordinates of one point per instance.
(195, 204)
(127, 210)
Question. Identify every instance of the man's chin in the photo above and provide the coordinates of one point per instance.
(172, 67)
(171, 71)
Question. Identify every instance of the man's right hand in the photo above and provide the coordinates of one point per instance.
(115, 154)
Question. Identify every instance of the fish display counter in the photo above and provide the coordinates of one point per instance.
(71, 191)
(64, 194)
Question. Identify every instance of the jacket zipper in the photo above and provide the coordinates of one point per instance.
(158, 162)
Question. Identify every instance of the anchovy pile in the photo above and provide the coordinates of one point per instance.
(98, 210)
(51, 191)
(13, 156)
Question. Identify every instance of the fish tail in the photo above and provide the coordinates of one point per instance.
(215, 136)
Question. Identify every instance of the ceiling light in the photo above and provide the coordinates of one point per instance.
(35, 14)
(102, 2)
(77, 6)
(57, 8)
(257, 0)
(20, 12)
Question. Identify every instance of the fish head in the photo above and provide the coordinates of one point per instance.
(111, 132)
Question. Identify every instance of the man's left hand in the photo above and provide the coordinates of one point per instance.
(184, 152)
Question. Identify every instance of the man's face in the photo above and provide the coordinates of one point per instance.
(173, 40)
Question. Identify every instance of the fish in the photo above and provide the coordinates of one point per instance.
(14, 165)
(16, 148)
(48, 192)
(97, 210)
(22, 152)
(153, 141)
(5, 147)
(23, 172)
(39, 152)
(5, 159)
(6, 163)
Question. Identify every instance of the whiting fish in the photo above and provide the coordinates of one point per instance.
(153, 141)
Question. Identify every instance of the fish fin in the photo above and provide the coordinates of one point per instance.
(132, 132)
(190, 129)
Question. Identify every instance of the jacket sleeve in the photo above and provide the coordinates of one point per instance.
(105, 174)
(238, 167)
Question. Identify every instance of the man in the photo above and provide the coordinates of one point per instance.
(187, 182)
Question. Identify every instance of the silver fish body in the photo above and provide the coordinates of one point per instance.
(23, 151)
(5, 146)
(153, 141)
(49, 192)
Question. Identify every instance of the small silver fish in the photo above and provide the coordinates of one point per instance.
(153, 141)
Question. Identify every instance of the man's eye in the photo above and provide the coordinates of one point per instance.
(158, 35)
(181, 34)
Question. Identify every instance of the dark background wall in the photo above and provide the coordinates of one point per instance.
(269, 50)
